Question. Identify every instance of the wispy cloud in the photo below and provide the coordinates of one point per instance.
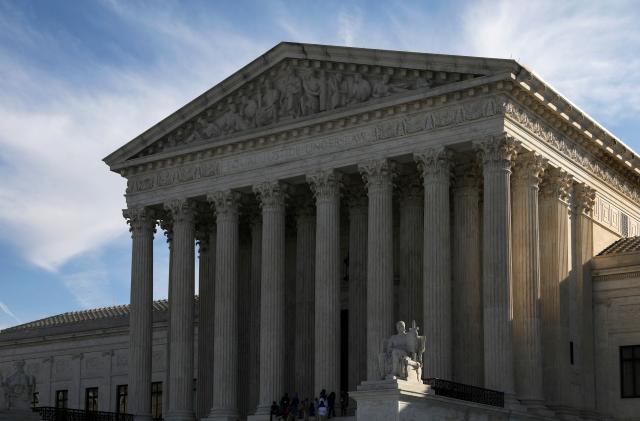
(5, 309)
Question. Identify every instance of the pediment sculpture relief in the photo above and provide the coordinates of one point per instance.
(296, 89)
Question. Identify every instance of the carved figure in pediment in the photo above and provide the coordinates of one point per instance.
(291, 98)
(231, 121)
(269, 104)
(360, 89)
(250, 110)
(337, 88)
(312, 85)
(383, 87)
(422, 82)
(202, 130)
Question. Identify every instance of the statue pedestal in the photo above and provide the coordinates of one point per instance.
(400, 400)
(19, 416)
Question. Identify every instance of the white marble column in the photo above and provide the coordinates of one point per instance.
(554, 277)
(166, 223)
(182, 309)
(325, 186)
(497, 153)
(583, 201)
(224, 404)
(527, 339)
(468, 348)
(206, 236)
(305, 292)
(358, 216)
(253, 358)
(411, 238)
(271, 195)
(378, 177)
(435, 166)
(142, 226)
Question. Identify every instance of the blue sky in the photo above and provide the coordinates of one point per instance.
(78, 79)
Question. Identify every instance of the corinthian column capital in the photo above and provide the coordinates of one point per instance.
(377, 173)
(181, 210)
(140, 220)
(270, 194)
(325, 184)
(528, 169)
(584, 198)
(556, 184)
(500, 150)
(434, 162)
(225, 202)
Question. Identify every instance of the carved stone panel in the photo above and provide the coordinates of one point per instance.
(294, 89)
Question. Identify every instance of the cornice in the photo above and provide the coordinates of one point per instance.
(553, 132)
(312, 52)
(544, 100)
(321, 123)
(406, 119)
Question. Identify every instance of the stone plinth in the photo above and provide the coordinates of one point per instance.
(399, 400)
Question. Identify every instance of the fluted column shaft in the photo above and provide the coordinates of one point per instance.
(378, 177)
(497, 154)
(142, 227)
(527, 340)
(411, 250)
(206, 315)
(325, 186)
(305, 292)
(272, 295)
(182, 310)
(554, 273)
(225, 340)
(435, 166)
(583, 201)
(254, 312)
(358, 216)
(468, 348)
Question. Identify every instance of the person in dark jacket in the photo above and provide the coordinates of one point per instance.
(275, 411)
(331, 400)
(344, 403)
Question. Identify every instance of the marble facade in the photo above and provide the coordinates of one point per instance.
(467, 194)
(474, 138)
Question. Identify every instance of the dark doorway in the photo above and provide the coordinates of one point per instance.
(344, 350)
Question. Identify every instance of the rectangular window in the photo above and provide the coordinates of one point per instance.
(156, 400)
(35, 400)
(122, 392)
(91, 399)
(62, 399)
(630, 371)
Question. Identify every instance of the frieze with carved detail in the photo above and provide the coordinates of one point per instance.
(573, 151)
(392, 128)
(295, 89)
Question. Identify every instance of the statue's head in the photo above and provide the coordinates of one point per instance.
(400, 327)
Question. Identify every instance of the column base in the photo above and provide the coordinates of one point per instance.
(262, 413)
(180, 416)
(537, 407)
(146, 417)
(222, 415)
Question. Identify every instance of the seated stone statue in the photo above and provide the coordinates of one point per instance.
(17, 389)
(402, 355)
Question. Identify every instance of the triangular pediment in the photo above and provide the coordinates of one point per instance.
(297, 81)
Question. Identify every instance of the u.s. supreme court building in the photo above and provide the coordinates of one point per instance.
(327, 192)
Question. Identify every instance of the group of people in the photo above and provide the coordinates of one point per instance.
(321, 408)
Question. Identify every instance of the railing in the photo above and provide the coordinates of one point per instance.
(48, 413)
(466, 392)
